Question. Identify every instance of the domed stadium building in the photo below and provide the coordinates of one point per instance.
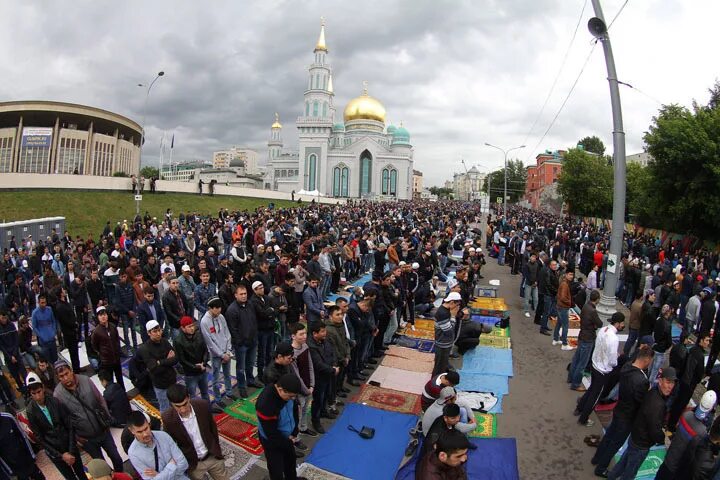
(359, 157)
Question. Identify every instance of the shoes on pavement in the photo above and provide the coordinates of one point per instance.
(411, 447)
(545, 332)
(372, 362)
(256, 384)
(243, 392)
(580, 389)
(527, 314)
(567, 348)
(309, 433)
(576, 412)
(589, 423)
(556, 342)
(299, 454)
(318, 427)
(603, 474)
(300, 445)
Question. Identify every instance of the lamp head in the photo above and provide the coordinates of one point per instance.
(161, 73)
(597, 27)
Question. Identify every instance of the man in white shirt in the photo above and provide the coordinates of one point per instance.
(191, 424)
(604, 359)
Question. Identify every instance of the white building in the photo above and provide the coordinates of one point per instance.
(642, 158)
(469, 185)
(237, 156)
(357, 157)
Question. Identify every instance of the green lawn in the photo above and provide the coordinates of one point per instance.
(86, 212)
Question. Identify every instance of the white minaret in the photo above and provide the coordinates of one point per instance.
(275, 143)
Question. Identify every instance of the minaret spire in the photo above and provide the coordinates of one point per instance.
(321, 40)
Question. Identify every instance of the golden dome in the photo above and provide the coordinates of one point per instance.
(277, 122)
(364, 107)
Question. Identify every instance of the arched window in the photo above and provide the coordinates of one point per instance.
(311, 171)
(324, 109)
(341, 177)
(365, 172)
(389, 181)
(315, 109)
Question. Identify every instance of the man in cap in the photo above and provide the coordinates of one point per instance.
(446, 317)
(106, 342)
(193, 357)
(277, 426)
(52, 427)
(159, 357)
(217, 336)
(88, 413)
(647, 429)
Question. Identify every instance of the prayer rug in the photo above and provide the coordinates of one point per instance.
(494, 342)
(604, 412)
(418, 333)
(424, 324)
(238, 462)
(499, 332)
(387, 399)
(142, 404)
(479, 400)
(407, 364)
(396, 379)
(486, 426)
(339, 450)
(244, 408)
(494, 459)
(240, 433)
(497, 408)
(480, 382)
(486, 320)
(492, 361)
(409, 353)
(419, 344)
(648, 469)
(311, 472)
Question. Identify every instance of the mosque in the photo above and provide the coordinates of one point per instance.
(358, 157)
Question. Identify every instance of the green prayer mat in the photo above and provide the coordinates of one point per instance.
(486, 426)
(651, 465)
(495, 342)
(244, 409)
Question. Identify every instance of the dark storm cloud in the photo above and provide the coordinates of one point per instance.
(456, 73)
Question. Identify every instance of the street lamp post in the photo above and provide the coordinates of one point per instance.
(142, 135)
(598, 28)
(505, 153)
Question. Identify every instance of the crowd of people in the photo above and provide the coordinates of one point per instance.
(652, 378)
(183, 298)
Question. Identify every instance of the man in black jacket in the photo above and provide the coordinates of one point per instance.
(159, 357)
(589, 323)
(647, 428)
(325, 368)
(280, 365)
(193, 356)
(265, 315)
(550, 282)
(53, 430)
(698, 461)
(243, 326)
(175, 305)
(633, 387)
(690, 376)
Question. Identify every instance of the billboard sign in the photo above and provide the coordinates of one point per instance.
(35, 137)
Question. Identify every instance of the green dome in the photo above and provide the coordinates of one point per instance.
(339, 127)
(401, 136)
(391, 129)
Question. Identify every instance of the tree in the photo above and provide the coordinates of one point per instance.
(442, 192)
(685, 170)
(586, 184)
(593, 144)
(149, 172)
(638, 202)
(516, 179)
(120, 174)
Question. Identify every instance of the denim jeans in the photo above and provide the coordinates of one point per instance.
(303, 402)
(563, 321)
(632, 338)
(549, 310)
(658, 361)
(192, 382)
(49, 350)
(579, 362)
(161, 395)
(266, 344)
(531, 293)
(93, 447)
(245, 357)
(501, 256)
(614, 438)
(217, 367)
(128, 326)
(629, 464)
(392, 328)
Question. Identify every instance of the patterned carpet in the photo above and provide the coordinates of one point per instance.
(486, 426)
(419, 344)
(495, 342)
(407, 364)
(142, 404)
(418, 333)
(244, 409)
(311, 472)
(240, 433)
(238, 462)
(388, 399)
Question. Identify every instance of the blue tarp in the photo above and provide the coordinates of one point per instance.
(483, 319)
(494, 459)
(480, 382)
(488, 360)
(497, 408)
(345, 453)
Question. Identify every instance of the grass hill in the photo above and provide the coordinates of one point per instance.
(86, 212)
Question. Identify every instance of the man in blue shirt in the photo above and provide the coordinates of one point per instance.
(204, 292)
(44, 325)
(154, 454)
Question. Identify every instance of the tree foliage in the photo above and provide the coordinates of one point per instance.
(685, 170)
(442, 192)
(149, 172)
(592, 144)
(516, 179)
(586, 184)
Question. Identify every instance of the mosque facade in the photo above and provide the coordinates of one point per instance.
(358, 156)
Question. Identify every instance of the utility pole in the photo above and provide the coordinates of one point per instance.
(599, 30)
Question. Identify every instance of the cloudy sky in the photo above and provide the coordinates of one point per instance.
(456, 73)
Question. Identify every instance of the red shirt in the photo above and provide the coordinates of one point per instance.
(598, 258)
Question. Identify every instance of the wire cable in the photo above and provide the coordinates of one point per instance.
(557, 77)
(617, 14)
